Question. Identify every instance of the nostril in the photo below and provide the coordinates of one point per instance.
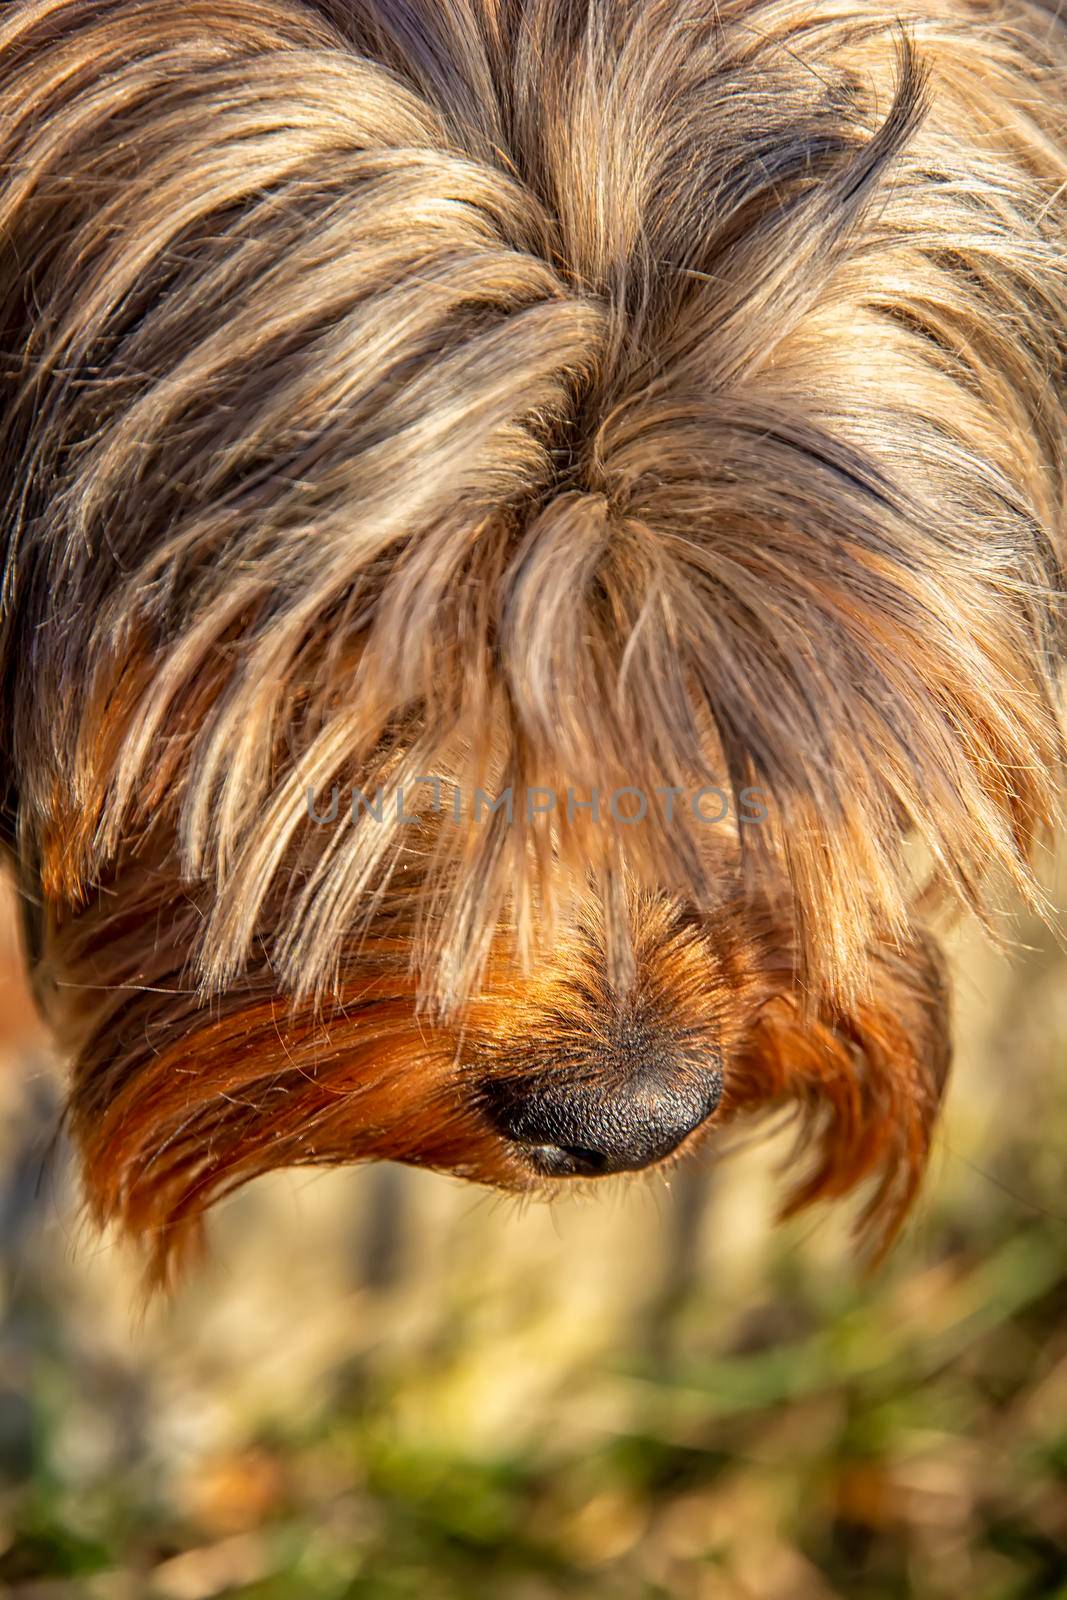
(566, 1161)
(591, 1161)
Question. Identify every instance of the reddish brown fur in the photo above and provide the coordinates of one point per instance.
(253, 1082)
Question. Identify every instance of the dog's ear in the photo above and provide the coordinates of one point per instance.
(867, 1086)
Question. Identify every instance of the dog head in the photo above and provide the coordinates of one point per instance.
(443, 442)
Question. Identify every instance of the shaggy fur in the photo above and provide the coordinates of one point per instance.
(571, 393)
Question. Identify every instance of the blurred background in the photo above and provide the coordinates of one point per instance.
(385, 1384)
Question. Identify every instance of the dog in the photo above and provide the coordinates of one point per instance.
(523, 419)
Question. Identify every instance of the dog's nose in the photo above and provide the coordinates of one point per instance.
(566, 1130)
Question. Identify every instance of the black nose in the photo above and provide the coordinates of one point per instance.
(569, 1130)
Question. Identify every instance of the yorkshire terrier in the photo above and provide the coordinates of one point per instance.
(448, 447)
